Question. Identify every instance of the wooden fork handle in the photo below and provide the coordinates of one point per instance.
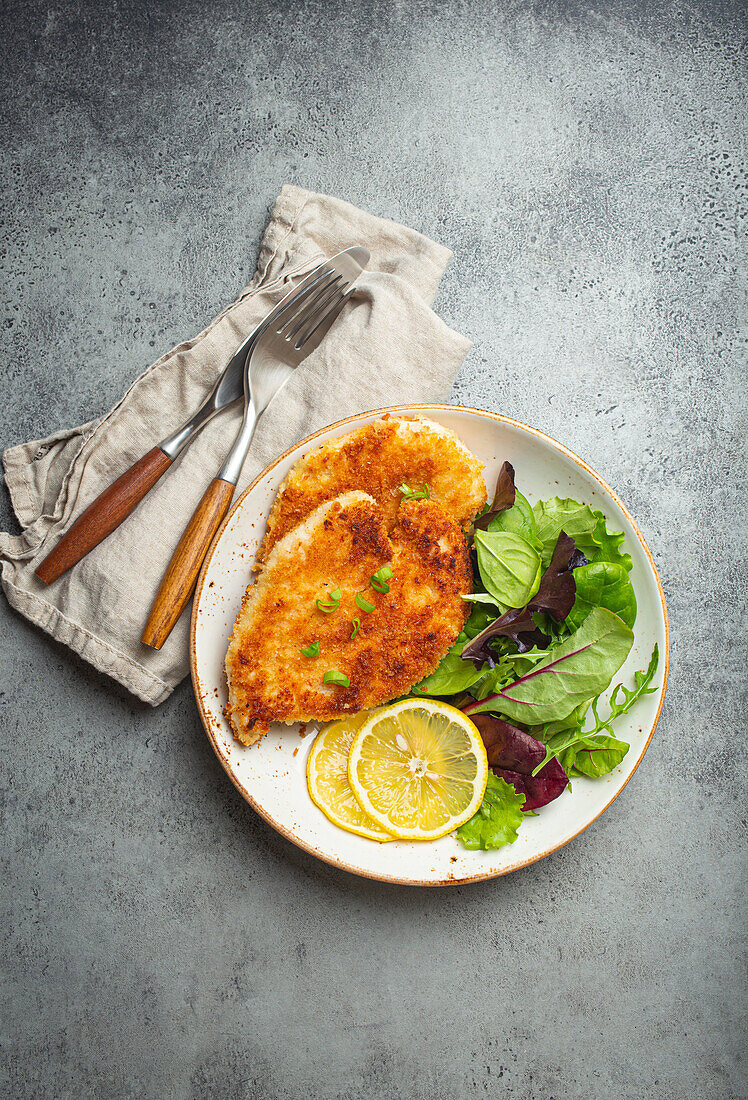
(181, 574)
(104, 515)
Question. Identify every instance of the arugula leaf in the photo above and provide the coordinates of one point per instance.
(478, 620)
(509, 567)
(498, 819)
(603, 584)
(587, 528)
(500, 676)
(621, 700)
(450, 676)
(575, 671)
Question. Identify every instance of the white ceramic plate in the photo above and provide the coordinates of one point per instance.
(272, 775)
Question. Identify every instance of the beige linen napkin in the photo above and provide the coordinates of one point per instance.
(388, 348)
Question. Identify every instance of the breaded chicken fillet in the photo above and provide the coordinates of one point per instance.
(341, 546)
(378, 458)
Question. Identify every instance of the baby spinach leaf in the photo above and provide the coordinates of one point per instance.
(520, 519)
(575, 671)
(593, 756)
(509, 567)
(603, 584)
(498, 819)
(480, 597)
(554, 597)
(451, 675)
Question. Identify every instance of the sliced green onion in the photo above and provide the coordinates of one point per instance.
(363, 604)
(380, 578)
(356, 627)
(414, 494)
(335, 677)
(312, 650)
(329, 603)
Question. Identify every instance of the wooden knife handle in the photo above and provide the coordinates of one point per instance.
(181, 574)
(104, 515)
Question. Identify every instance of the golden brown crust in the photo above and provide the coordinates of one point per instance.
(378, 458)
(413, 625)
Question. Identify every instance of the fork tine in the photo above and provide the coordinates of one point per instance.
(327, 318)
(312, 308)
(295, 298)
(309, 308)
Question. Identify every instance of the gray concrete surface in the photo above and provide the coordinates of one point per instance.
(585, 162)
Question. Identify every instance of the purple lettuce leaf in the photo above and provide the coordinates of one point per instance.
(555, 597)
(513, 754)
(503, 497)
(539, 790)
(557, 591)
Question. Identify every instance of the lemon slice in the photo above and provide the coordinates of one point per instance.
(418, 768)
(327, 779)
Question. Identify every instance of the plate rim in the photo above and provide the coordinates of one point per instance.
(405, 410)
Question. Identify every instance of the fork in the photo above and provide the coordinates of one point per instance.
(278, 345)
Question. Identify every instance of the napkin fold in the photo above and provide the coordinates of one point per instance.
(387, 348)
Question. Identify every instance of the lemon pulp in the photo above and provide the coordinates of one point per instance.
(418, 768)
(327, 779)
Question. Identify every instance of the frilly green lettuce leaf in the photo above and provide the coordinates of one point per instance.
(498, 819)
(587, 528)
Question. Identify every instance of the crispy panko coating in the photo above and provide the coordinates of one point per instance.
(341, 545)
(377, 459)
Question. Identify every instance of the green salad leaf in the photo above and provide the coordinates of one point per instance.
(593, 756)
(451, 676)
(509, 567)
(602, 584)
(574, 671)
(587, 528)
(498, 819)
(520, 520)
(564, 743)
(479, 619)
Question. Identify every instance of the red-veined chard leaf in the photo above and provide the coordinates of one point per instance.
(575, 671)
(564, 742)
